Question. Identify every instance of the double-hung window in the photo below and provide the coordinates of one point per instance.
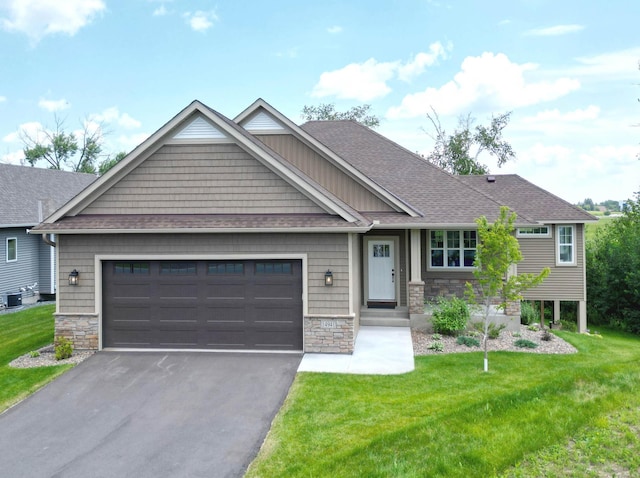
(452, 249)
(566, 253)
(12, 249)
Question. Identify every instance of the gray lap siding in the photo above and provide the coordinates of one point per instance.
(324, 251)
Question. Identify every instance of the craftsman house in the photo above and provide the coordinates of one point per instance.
(27, 195)
(258, 234)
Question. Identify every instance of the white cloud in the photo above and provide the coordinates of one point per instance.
(360, 81)
(38, 18)
(367, 81)
(421, 61)
(555, 30)
(334, 29)
(3, 99)
(53, 105)
(32, 129)
(201, 21)
(112, 115)
(129, 142)
(15, 157)
(618, 64)
(290, 53)
(160, 11)
(589, 113)
(490, 80)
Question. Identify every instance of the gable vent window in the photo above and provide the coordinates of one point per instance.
(452, 249)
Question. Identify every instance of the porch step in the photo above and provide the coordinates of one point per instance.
(398, 317)
(384, 321)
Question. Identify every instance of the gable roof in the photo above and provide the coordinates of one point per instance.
(232, 132)
(29, 194)
(260, 107)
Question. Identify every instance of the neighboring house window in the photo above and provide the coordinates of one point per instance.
(541, 231)
(452, 249)
(12, 249)
(566, 245)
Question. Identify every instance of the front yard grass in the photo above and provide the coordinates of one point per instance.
(448, 418)
(20, 333)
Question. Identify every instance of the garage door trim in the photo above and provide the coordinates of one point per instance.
(100, 258)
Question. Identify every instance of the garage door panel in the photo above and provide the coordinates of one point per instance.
(203, 304)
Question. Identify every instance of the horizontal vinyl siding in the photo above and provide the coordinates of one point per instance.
(325, 173)
(24, 271)
(324, 251)
(202, 179)
(564, 282)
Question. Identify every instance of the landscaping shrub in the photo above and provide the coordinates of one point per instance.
(494, 330)
(63, 348)
(468, 341)
(450, 316)
(528, 313)
(436, 337)
(547, 336)
(437, 346)
(525, 344)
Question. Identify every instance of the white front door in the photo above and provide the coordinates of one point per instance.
(382, 274)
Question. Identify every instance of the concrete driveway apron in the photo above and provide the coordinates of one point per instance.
(148, 414)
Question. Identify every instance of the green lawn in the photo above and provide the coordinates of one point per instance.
(448, 418)
(20, 333)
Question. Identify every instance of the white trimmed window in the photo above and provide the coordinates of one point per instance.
(452, 249)
(538, 231)
(12, 249)
(566, 255)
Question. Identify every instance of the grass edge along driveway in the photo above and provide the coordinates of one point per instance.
(448, 418)
(22, 332)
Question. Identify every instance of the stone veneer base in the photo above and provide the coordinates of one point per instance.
(329, 334)
(80, 329)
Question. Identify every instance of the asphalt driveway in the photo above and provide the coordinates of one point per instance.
(148, 415)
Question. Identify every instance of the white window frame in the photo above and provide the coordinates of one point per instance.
(533, 232)
(7, 249)
(559, 245)
(445, 250)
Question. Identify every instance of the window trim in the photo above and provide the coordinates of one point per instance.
(15, 259)
(533, 235)
(560, 262)
(445, 267)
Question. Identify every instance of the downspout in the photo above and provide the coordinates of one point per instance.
(48, 241)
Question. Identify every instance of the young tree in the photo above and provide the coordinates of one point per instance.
(110, 162)
(497, 251)
(459, 153)
(327, 112)
(62, 150)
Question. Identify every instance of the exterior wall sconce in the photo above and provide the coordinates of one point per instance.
(328, 278)
(73, 277)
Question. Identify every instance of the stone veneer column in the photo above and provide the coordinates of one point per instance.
(80, 329)
(416, 298)
(512, 309)
(329, 334)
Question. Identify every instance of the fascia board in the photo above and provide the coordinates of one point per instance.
(227, 230)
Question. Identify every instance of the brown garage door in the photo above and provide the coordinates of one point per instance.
(242, 305)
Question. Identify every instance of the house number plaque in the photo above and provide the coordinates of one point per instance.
(327, 324)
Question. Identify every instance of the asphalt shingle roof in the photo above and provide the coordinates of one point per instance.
(21, 187)
(441, 197)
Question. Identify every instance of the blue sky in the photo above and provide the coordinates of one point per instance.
(568, 71)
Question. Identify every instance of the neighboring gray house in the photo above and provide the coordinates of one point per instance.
(27, 195)
(258, 234)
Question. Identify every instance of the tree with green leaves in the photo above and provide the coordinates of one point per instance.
(327, 112)
(459, 153)
(110, 162)
(613, 271)
(62, 150)
(497, 252)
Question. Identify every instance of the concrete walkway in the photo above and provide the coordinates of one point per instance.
(378, 351)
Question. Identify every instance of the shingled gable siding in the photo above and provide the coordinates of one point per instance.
(564, 282)
(201, 179)
(324, 251)
(325, 173)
